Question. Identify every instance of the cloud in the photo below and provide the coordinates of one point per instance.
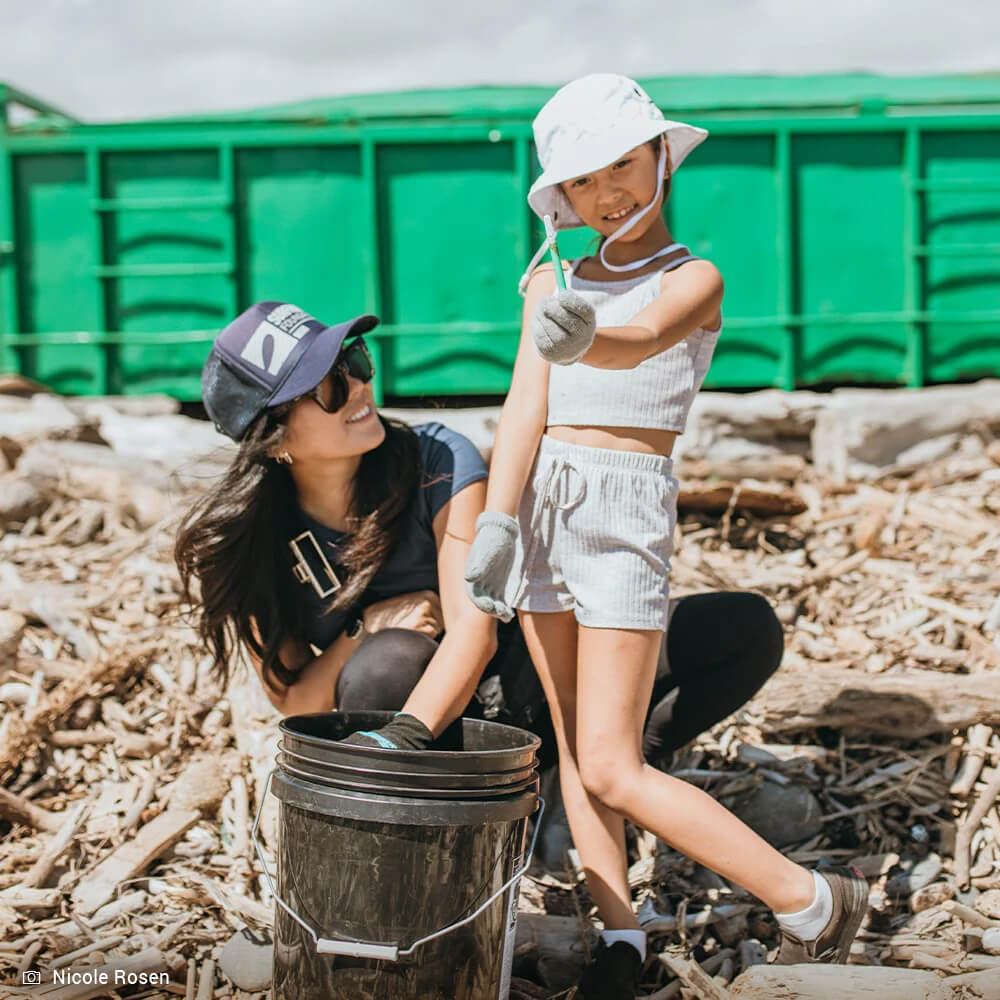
(119, 59)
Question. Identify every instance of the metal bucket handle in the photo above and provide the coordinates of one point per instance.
(362, 949)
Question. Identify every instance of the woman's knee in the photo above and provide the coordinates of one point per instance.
(384, 670)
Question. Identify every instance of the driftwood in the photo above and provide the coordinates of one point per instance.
(756, 499)
(22, 733)
(881, 587)
(904, 705)
(963, 839)
(18, 810)
(837, 982)
(132, 858)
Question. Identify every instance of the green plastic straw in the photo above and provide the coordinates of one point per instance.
(550, 235)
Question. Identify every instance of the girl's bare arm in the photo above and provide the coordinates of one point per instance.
(522, 419)
(690, 298)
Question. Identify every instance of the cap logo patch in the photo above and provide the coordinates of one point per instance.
(275, 337)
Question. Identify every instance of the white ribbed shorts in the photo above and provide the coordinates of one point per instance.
(596, 536)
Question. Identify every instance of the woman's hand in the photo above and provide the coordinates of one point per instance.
(419, 611)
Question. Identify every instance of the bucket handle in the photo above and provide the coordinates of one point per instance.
(362, 949)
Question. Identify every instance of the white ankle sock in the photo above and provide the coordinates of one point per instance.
(635, 938)
(809, 923)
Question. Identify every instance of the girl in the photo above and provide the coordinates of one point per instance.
(582, 496)
(322, 484)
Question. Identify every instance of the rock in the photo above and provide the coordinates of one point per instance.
(988, 904)
(247, 959)
(991, 941)
(908, 882)
(11, 629)
(862, 432)
(781, 814)
(19, 500)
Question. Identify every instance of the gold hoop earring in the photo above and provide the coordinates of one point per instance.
(284, 458)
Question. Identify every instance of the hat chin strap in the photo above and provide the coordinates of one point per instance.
(635, 220)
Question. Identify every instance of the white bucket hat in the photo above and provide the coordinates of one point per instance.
(589, 124)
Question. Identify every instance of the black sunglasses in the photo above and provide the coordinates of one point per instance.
(354, 360)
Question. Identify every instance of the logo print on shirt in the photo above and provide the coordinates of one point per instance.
(271, 343)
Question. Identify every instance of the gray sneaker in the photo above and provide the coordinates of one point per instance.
(850, 904)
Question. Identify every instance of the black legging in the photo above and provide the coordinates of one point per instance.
(720, 649)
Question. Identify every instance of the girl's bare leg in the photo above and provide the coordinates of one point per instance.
(615, 669)
(598, 832)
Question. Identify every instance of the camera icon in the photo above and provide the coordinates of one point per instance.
(31, 977)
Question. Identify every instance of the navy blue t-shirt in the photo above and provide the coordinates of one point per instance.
(450, 463)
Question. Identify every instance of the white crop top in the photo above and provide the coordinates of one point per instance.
(658, 392)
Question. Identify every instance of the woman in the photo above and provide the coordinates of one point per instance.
(333, 550)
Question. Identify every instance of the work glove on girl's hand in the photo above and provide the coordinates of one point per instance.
(489, 563)
(563, 327)
(404, 732)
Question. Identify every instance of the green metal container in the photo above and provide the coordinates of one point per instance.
(856, 220)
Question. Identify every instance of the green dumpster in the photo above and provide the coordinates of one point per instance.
(854, 218)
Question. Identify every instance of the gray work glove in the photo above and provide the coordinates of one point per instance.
(563, 327)
(490, 560)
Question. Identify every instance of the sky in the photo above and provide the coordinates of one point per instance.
(106, 60)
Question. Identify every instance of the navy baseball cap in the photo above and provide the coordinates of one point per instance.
(268, 355)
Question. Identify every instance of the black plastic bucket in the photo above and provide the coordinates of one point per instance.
(381, 849)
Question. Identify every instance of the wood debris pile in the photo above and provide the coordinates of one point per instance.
(127, 791)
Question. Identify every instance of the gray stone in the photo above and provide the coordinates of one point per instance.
(781, 814)
(916, 877)
(19, 500)
(247, 959)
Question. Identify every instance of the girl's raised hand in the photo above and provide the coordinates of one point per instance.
(563, 326)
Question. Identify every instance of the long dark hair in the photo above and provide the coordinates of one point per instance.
(232, 545)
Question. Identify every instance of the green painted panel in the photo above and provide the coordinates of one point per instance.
(448, 240)
(848, 218)
(302, 228)
(55, 277)
(723, 205)
(138, 239)
(970, 281)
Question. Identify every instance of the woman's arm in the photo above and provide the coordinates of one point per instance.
(690, 298)
(315, 688)
(522, 419)
(452, 676)
(316, 684)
